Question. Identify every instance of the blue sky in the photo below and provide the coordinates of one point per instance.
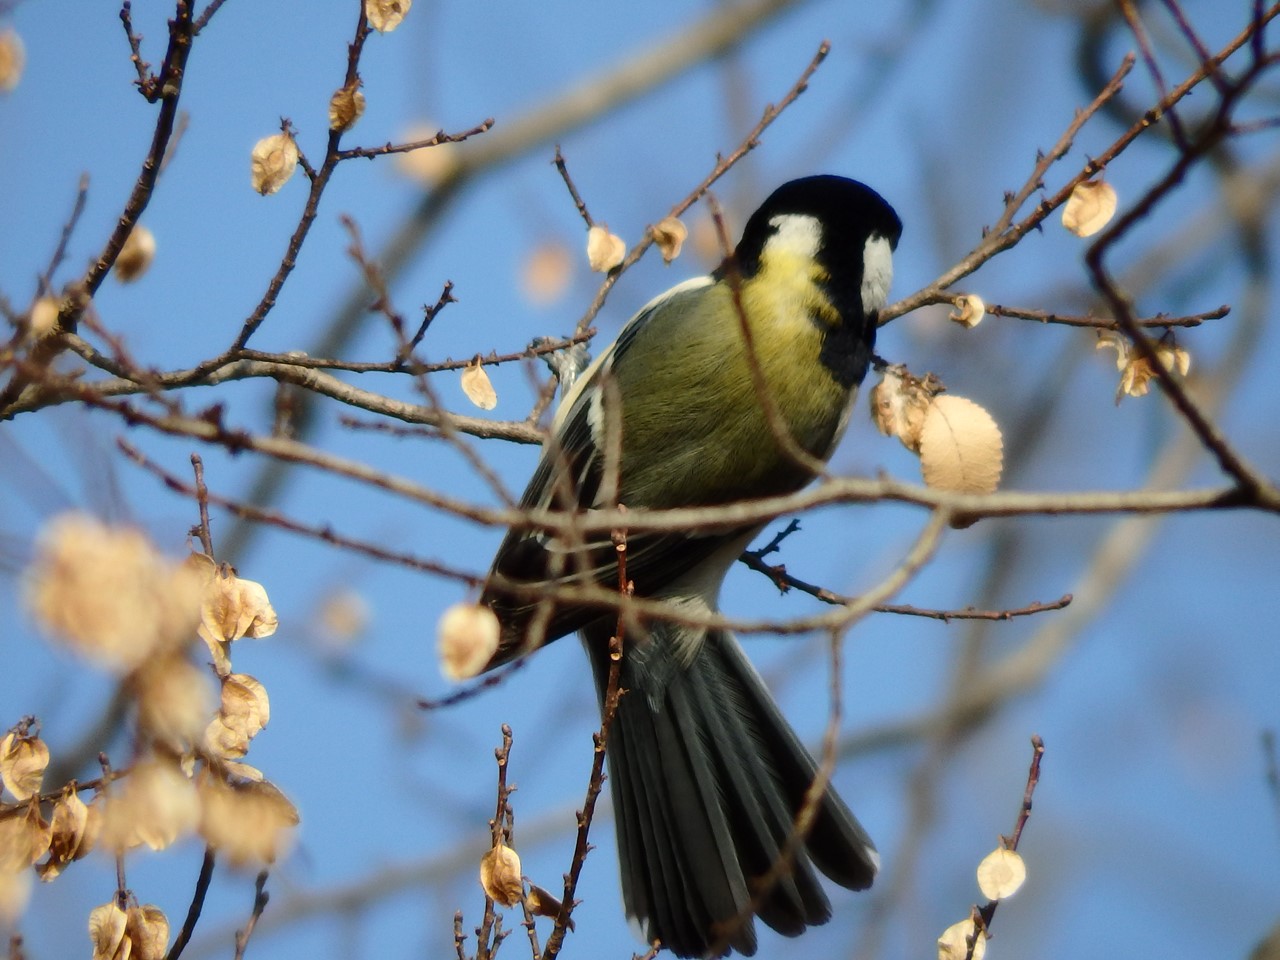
(1153, 828)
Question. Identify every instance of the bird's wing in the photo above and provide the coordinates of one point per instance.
(568, 478)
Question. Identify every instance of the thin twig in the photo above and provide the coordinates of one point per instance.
(260, 898)
(595, 783)
(197, 904)
(105, 781)
(321, 532)
(209, 428)
(205, 374)
(498, 826)
(1203, 54)
(202, 500)
(988, 911)
(1272, 769)
(377, 282)
(462, 694)
(1006, 233)
(1134, 20)
(79, 295)
(1105, 323)
(968, 613)
(429, 314)
(563, 169)
(501, 833)
(203, 20)
(785, 581)
(387, 149)
(60, 251)
(459, 936)
(319, 181)
(146, 82)
(8, 810)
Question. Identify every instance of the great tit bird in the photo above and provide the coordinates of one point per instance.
(706, 774)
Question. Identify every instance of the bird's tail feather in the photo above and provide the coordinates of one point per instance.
(707, 778)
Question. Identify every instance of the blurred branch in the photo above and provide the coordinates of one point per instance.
(45, 284)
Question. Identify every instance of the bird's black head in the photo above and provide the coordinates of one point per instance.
(848, 211)
(842, 220)
(849, 232)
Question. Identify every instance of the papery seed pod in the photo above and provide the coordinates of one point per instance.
(669, 234)
(961, 448)
(955, 940)
(136, 254)
(273, 161)
(23, 760)
(899, 402)
(969, 310)
(1090, 207)
(478, 387)
(1001, 873)
(605, 250)
(44, 317)
(500, 876)
(385, 15)
(346, 106)
(468, 637)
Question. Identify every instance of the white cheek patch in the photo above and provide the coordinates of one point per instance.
(795, 235)
(877, 273)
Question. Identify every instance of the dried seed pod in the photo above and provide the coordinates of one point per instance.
(955, 940)
(1090, 207)
(500, 876)
(468, 638)
(478, 387)
(385, 15)
(969, 310)
(670, 234)
(1001, 873)
(605, 250)
(961, 448)
(23, 760)
(273, 161)
(346, 106)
